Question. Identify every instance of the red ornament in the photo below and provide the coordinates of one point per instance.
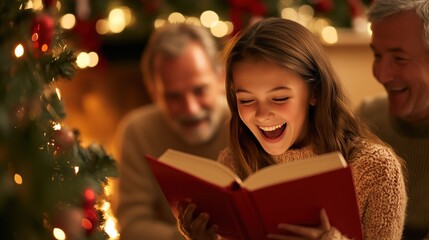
(64, 139)
(90, 220)
(42, 32)
(49, 3)
(242, 9)
(323, 5)
(86, 37)
(89, 198)
(151, 6)
(355, 8)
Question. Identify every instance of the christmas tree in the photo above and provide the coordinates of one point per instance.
(51, 187)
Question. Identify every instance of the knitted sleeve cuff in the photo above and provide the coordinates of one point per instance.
(334, 234)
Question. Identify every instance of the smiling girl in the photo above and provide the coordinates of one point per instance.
(286, 105)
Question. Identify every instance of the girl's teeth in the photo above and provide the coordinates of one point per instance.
(272, 128)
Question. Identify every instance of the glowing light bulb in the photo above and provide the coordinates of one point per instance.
(209, 18)
(59, 234)
(93, 59)
(82, 60)
(19, 51)
(220, 29)
(102, 26)
(17, 178)
(329, 35)
(68, 21)
(117, 21)
(176, 17)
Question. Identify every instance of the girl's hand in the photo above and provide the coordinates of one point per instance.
(304, 232)
(195, 227)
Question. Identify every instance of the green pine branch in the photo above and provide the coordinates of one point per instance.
(42, 170)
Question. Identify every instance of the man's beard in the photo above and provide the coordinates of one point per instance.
(199, 128)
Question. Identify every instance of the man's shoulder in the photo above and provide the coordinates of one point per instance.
(373, 107)
(146, 113)
(374, 111)
(147, 116)
(374, 103)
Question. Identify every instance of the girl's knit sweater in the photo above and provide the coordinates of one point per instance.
(379, 184)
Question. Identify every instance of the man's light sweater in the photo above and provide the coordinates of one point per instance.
(143, 212)
(411, 142)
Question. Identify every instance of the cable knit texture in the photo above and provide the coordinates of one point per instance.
(379, 185)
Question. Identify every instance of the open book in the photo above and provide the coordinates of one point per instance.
(292, 193)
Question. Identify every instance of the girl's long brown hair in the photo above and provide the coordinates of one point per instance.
(333, 126)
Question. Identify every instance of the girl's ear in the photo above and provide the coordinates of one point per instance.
(313, 96)
(313, 100)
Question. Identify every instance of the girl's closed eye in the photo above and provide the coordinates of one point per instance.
(280, 99)
(246, 101)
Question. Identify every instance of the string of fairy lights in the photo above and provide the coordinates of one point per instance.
(121, 17)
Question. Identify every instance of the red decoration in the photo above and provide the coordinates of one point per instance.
(42, 32)
(64, 139)
(240, 9)
(323, 5)
(355, 8)
(49, 3)
(90, 220)
(151, 6)
(89, 197)
(86, 37)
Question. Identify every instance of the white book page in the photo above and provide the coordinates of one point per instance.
(284, 172)
(203, 168)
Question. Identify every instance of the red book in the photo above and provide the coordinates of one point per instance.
(291, 193)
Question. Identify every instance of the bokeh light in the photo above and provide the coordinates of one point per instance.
(176, 17)
(68, 21)
(17, 178)
(209, 18)
(329, 35)
(19, 51)
(59, 234)
(220, 29)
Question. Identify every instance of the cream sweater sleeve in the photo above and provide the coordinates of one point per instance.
(142, 210)
(381, 192)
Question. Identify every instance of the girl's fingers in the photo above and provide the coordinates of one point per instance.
(199, 228)
(324, 220)
(308, 232)
(213, 230)
(283, 237)
(188, 214)
(304, 232)
(199, 225)
(195, 227)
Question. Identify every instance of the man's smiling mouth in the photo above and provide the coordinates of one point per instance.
(396, 89)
